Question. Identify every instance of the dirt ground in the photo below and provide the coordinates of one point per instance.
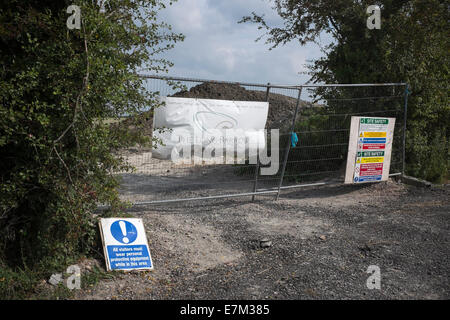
(323, 241)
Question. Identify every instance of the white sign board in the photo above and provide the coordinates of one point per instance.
(207, 122)
(370, 148)
(125, 244)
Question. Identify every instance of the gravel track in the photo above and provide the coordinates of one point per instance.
(323, 240)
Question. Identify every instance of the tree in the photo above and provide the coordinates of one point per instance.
(57, 87)
(411, 46)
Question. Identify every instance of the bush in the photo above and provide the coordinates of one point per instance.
(57, 88)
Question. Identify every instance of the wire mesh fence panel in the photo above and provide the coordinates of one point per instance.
(320, 119)
(154, 180)
(323, 129)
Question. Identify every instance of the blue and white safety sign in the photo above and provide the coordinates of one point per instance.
(125, 244)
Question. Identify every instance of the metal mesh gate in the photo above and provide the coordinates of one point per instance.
(319, 115)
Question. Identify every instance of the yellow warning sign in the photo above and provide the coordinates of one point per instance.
(358, 161)
(372, 160)
(361, 134)
(374, 134)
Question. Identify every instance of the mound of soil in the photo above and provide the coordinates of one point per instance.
(281, 107)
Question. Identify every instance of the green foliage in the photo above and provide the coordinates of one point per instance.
(91, 278)
(14, 284)
(57, 85)
(412, 46)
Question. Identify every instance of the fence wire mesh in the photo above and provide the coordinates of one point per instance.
(318, 115)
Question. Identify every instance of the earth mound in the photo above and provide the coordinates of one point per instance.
(281, 107)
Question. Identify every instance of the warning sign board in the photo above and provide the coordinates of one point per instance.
(125, 244)
(372, 160)
(369, 152)
(374, 134)
(373, 146)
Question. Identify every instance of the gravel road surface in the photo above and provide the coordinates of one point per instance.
(318, 244)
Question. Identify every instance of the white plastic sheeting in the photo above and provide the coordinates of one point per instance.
(209, 129)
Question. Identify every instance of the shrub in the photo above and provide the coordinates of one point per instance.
(57, 87)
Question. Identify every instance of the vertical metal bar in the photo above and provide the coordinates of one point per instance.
(288, 145)
(255, 184)
(404, 129)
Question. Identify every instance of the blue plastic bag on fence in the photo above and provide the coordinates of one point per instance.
(294, 139)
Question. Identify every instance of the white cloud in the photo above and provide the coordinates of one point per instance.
(217, 47)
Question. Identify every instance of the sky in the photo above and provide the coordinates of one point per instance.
(217, 47)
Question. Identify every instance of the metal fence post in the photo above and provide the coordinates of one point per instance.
(404, 129)
(288, 145)
(255, 184)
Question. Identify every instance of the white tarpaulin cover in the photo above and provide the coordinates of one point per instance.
(208, 124)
